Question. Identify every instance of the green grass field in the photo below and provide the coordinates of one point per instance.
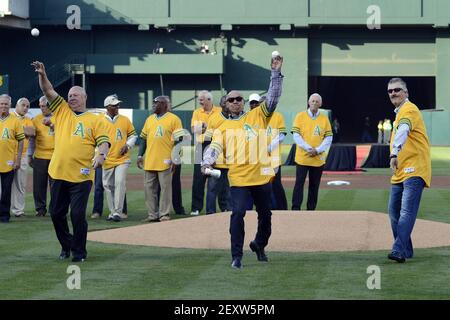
(29, 268)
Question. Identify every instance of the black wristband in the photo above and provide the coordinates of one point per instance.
(392, 156)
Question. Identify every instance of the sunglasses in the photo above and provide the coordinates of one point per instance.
(396, 90)
(254, 102)
(238, 99)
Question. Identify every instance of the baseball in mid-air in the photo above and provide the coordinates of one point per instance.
(275, 54)
(35, 32)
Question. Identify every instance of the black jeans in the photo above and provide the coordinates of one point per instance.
(75, 195)
(41, 180)
(177, 197)
(278, 192)
(239, 196)
(315, 174)
(7, 179)
(99, 193)
(220, 189)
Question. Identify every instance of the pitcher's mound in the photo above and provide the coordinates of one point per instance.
(291, 231)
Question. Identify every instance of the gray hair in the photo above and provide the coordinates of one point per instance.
(7, 97)
(208, 95)
(43, 99)
(315, 95)
(400, 81)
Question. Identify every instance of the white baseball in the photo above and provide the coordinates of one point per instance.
(35, 32)
(275, 54)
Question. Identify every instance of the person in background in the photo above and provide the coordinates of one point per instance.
(313, 136)
(11, 146)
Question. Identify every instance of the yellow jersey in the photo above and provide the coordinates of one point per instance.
(214, 122)
(313, 132)
(200, 116)
(414, 158)
(76, 136)
(26, 122)
(44, 140)
(243, 141)
(119, 130)
(275, 127)
(11, 130)
(161, 134)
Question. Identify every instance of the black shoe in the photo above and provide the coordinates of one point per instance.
(64, 255)
(396, 256)
(4, 220)
(41, 213)
(236, 263)
(78, 259)
(260, 254)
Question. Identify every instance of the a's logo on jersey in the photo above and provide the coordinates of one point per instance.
(317, 131)
(5, 134)
(249, 132)
(51, 132)
(159, 131)
(119, 135)
(79, 131)
(269, 131)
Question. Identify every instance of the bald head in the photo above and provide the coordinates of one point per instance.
(235, 102)
(22, 106)
(77, 99)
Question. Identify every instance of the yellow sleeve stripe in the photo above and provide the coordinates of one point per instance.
(132, 133)
(20, 136)
(209, 133)
(56, 103)
(265, 111)
(143, 135)
(216, 146)
(405, 121)
(101, 139)
(295, 129)
(180, 133)
(328, 133)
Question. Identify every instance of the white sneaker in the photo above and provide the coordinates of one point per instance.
(195, 213)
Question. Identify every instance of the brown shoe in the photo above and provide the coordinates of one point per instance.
(123, 216)
(164, 218)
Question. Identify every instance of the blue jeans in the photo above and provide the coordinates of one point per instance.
(403, 207)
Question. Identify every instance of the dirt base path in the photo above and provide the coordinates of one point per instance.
(291, 231)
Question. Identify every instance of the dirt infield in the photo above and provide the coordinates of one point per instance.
(291, 231)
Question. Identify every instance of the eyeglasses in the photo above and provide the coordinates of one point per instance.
(238, 99)
(396, 90)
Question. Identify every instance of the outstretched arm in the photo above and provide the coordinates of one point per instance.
(44, 83)
(276, 82)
